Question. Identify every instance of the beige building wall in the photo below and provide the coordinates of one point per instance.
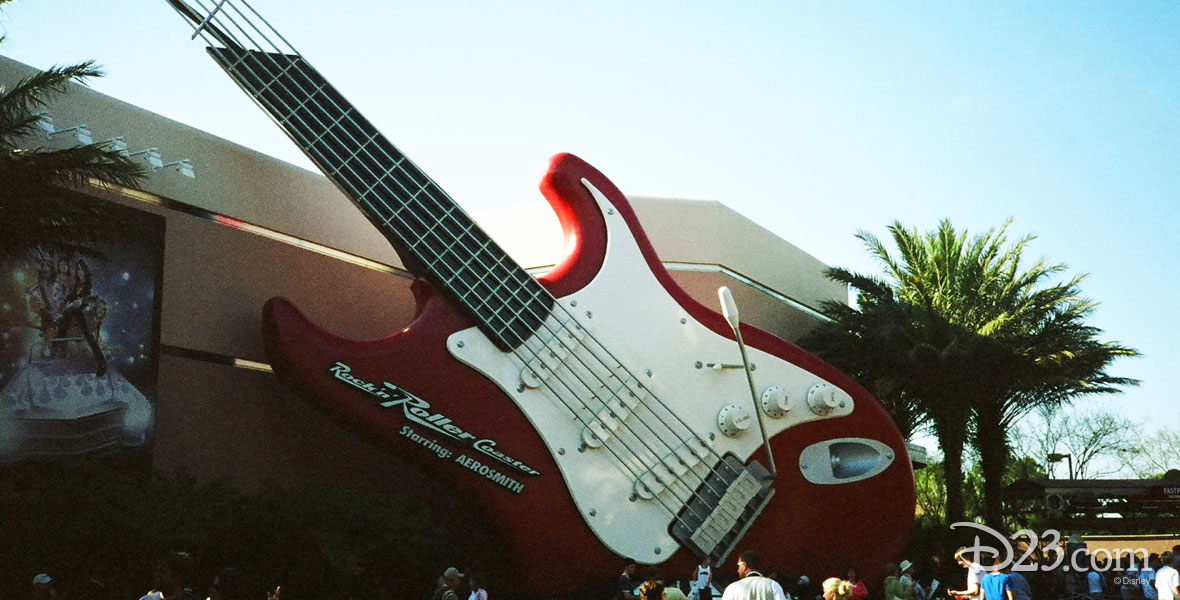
(290, 233)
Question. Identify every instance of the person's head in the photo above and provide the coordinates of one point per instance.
(45, 270)
(651, 590)
(452, 577)
(1168, 559)
(892, 569)
(172, 571)
(706, 560)
(474, 580)
(963, 557)
(906, 568)
(63, 267)
(836, 588)
(852, 574)
(748, 562)
(227, 585)
(630, 567)
(43, 588)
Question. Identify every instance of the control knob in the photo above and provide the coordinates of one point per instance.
(733, 420)
(776, 402)
(823, 398)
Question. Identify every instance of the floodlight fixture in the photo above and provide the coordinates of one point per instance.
(82, 134)
(152, 156)
(116, 144)
(1055, 457)
(184, 167)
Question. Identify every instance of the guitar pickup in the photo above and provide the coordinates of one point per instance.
(672, 468)
(624, 396)
(552, 354)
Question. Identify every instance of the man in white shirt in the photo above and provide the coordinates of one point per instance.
(752, 585)
(975, 574)
(1167, 579)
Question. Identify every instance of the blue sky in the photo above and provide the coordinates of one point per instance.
(813, 119)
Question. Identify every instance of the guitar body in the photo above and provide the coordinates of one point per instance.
(440, 392)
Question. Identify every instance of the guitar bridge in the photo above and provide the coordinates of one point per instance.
(723, 508)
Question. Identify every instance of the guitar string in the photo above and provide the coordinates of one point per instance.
(425, 187)
(554, 391)
(563, 325)
(637, 456)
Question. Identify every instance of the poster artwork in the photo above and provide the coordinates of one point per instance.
(79, 329)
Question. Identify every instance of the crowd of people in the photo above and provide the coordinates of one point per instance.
(1128, 577)
(1081, 577)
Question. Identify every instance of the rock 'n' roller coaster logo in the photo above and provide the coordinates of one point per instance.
(417, 410)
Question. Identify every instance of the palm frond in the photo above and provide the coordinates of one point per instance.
(31, 93)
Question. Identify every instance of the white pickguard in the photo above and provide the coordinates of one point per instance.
(629, 312)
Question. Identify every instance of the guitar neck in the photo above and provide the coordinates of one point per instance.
(406, 205)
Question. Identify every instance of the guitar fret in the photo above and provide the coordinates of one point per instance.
(355, 153)
(232, 68)
(299, 107)
(277, 77)
(328, 129)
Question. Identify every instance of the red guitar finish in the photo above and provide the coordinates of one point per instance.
(808, 529)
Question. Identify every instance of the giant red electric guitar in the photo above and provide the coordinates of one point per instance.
(575, 410)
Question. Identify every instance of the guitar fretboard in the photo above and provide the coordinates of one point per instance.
(413, 212)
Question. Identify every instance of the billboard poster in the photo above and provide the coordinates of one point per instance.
(79, 329)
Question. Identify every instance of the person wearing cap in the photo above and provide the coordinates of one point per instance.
(895, 588)
(803, 589)
(907, 579)
(449, 582)
(907, 572)
(43, 587)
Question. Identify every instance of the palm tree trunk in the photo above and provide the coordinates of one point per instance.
(993, 456)
(951, 440)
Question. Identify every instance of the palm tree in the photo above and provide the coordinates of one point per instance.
(893, 348)
(31, 175)
(969, 339)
